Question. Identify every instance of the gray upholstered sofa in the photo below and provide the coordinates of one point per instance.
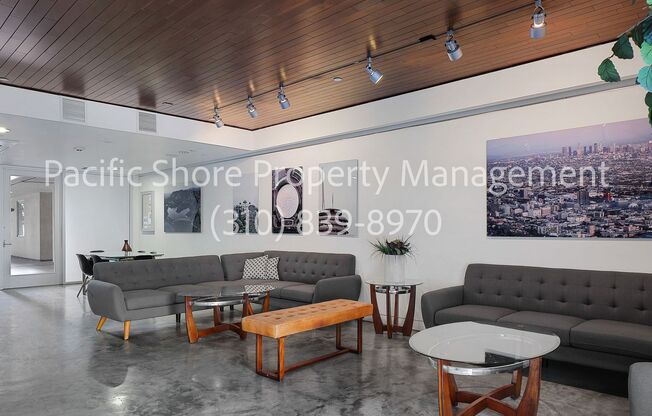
(131, 290)
(604, 319)
(640, 389)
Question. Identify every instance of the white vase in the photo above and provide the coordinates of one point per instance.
(394, 268)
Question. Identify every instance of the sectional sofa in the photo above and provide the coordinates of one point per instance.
(131, 290)
(603, 318)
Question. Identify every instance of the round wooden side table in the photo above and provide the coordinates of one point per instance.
(396, 288)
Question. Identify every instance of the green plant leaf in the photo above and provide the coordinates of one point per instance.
(622, 48)
(607, 71)
(645, 78)
(648, 99)
(646, 53)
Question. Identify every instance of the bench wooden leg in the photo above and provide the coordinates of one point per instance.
(281, 358)
(360, 336)
(338, 336)
(259, 354)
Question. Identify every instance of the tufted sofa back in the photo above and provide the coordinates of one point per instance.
(307, 267)
(153, 274)
(587, 294)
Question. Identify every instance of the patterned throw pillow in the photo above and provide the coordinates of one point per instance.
(272, 268)
(255, 268)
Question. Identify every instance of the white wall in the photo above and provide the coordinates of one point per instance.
(440, 260)
(95, 218)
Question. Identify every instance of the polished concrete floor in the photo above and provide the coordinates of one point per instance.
(22, 266)
(53, 362)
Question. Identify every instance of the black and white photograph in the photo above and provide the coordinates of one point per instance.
(183, 210)
(287, 200)
(338, 198)
(245, 206)
(147, 212)
(588, 182)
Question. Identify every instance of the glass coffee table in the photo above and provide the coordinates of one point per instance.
(476, 349)
(396, 288)
(227, 295)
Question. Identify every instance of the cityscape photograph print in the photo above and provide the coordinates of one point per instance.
(588, 182)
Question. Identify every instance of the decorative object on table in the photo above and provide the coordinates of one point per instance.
(338, 198)
(641, 35)
(182, 210)
(484, 349)
(287, 200)
(576, 204)
(381, 286)
(394, 254)
(147, 212)
(245, 206)
(126, 247)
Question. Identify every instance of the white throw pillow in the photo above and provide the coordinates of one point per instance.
(255, 268)
(272, 268)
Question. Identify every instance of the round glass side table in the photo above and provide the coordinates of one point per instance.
(396, 288)
(475, 349)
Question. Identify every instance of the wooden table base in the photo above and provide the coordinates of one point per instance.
(218, 326)
(393, 327)
(450, 396)
(282, 369)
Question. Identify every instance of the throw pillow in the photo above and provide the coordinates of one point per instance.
(272, 268)
(255, 268)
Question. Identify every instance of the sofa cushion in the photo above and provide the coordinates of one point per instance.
(298, 292)
(152, 274)
(307, 267)
(148, 298)
(613, 336)
(471, 313)
(233, 264)
(558, 324)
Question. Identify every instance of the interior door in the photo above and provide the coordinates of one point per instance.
(30, 229)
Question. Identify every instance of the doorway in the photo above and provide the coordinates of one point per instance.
(31, 228)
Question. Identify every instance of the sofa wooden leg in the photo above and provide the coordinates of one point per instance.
(127, 328)
(101, 323)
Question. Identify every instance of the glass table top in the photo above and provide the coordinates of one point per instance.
(382, 282)
(482, 344)
(113, 255)
(227, 291)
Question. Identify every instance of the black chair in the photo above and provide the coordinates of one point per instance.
(97, 259)
(144, 257)
(87, 272)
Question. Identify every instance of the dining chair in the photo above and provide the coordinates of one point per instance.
(87, 272)
(97, 259)
(144, 257)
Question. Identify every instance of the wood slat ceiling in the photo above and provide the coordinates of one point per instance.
(194, 53)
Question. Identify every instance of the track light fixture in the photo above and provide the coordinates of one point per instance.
(538, 28)
(452, 47)
(282, 98)
(374, 75)
(251, 108)
(218, 120)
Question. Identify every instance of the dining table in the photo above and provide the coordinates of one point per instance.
(124, 255)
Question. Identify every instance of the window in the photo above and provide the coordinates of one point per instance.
(20, 218)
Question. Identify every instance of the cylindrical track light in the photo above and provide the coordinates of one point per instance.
(218, 120)
(538, 28)
(282, 98)
(251, 108)
(452, 47)
(374, 75)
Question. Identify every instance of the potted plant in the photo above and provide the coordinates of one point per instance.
(394, 255)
